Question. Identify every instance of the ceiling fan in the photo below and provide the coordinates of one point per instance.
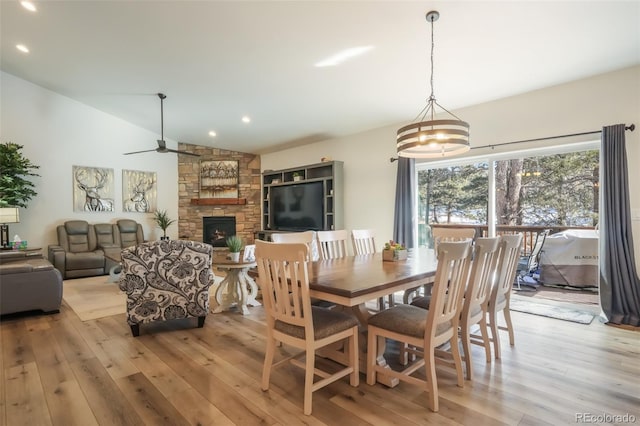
(162, 145)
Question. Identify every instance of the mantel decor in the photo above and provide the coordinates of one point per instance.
(218, 179)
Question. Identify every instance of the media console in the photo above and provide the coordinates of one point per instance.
(302, 198)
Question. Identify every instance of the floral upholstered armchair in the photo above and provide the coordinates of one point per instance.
(166, 280)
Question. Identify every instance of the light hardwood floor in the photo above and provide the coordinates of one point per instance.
(56, 369)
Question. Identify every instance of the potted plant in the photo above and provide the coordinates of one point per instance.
(15, 189)
(234, 243)
(394, 251)
(163, 221)
(297, 176)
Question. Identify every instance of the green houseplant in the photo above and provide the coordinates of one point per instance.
(234, 243)
(15, 189)
(163, 221)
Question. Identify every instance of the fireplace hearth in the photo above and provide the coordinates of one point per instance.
(216, 230)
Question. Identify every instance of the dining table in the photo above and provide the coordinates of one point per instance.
(352, 281)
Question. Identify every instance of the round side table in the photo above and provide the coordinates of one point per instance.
(237, 288)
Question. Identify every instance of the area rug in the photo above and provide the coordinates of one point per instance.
(94, 297)
(551, 311)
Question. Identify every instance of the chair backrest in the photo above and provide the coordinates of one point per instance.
(249, 254)
(284, 280)
(508, 257)
(363, 241)
(77, 236)
(451, 234)
(105, 235)
(129, 232)
(451, 278)
(333, 244)
(534, 257)
(482, 275)
(174, 274)
(306, 237)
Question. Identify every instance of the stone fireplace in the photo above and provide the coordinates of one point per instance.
(194, 212)
(216, 230)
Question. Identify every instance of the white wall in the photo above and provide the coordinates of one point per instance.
(579, 106)
(58, 133)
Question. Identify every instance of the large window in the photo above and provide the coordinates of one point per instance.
(547, 189)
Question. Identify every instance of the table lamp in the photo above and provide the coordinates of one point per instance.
(7, 215)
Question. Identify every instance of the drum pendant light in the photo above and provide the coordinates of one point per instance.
(428, 137)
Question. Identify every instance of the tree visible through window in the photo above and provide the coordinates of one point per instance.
(552, 190)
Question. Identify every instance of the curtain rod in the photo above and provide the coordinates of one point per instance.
(632, 127)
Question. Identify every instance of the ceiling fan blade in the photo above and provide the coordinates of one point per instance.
(139, 152)
(182, 152)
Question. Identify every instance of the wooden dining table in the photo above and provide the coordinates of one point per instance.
(352, 281)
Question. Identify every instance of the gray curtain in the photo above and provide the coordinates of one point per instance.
(405, 202)
(619, 283)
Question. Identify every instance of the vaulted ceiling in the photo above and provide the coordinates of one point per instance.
(218, 61)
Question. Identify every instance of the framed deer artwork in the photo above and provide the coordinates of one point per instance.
(92, 189)
(139, 191)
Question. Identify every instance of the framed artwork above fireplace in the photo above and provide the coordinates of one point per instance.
(219, 179)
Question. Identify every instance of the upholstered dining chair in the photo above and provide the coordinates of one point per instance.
(166, 280)
(500, 296)
(333, 244)
(451, 234)
(476, 298)
(441, 234)
(305, 237)
(424, 330)
(364, 242)
(291, 320)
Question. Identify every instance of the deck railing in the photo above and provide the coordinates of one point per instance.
(529, 233)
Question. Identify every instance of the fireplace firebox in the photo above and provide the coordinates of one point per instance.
(216, 230)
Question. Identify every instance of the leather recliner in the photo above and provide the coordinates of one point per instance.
(128, 233)
(77, 253)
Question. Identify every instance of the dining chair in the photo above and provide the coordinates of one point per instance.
(333, 244)
(441, 234)
(500, 296)
(451, 234)
(363, 241)
(305, 237)
(291, 320)
(425, 330)
(476, 296)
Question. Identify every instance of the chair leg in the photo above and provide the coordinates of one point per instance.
(495, 337)
(507, 318)
(372, 350)
(484, 332)
(310, 366)
(268, 362)
(201, 321)
(135, 330)
(354, 378)
(432, 384)
(457, 361)
(466, 348)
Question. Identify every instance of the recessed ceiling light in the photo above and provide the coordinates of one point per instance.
(212, 134)
(246, 119)
(22, 48)
(343, 55)
(29, 6)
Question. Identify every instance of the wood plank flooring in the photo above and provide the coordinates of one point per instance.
(57, 370)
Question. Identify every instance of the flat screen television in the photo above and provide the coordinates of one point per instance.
(297, 207)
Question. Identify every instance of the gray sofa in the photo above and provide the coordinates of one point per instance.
(28, 283)
(83, 248)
